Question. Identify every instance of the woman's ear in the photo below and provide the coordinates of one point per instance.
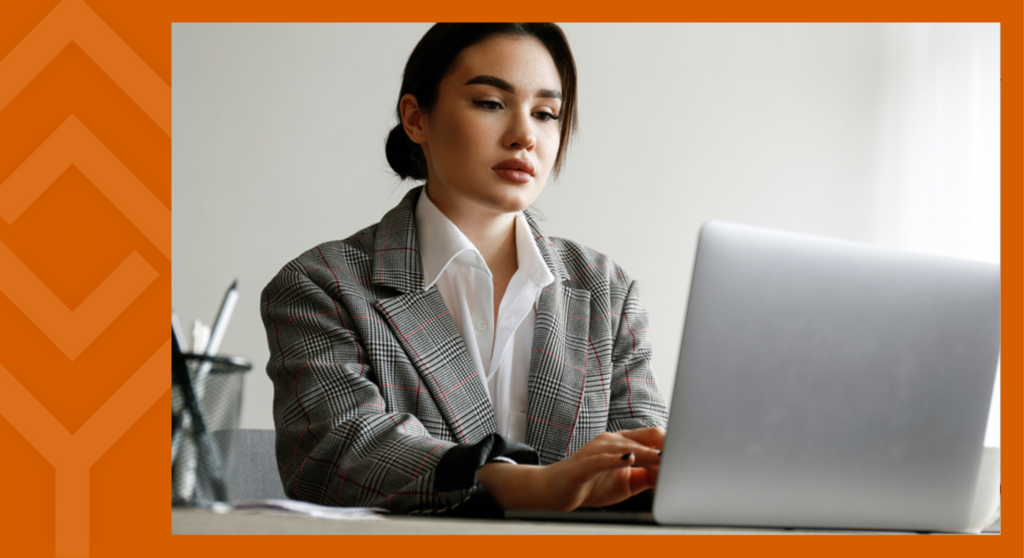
(414, 120)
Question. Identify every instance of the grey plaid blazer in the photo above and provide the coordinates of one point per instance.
(373, 385)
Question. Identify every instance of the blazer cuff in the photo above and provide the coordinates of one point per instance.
(457, 471)
(457, 468)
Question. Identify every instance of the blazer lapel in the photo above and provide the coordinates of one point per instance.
(558, 371)
(427, 332)
(421, 322)
(558, 365)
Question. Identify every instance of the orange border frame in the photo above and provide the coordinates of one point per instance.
(85, 100)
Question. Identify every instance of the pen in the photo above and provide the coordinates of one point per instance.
(204, 454)
(227, 307)
(221, 325)
(200, 337)
(196, 449)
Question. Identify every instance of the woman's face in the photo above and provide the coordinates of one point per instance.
(492, 137)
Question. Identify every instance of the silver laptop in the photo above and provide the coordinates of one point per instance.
(828, 384)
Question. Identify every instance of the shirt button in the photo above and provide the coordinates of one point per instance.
(481, 325)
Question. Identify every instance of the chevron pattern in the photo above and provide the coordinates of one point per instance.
(72, 143)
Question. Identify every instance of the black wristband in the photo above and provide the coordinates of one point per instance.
(457, 468)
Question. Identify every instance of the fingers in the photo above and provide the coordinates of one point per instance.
(653, 437)
(614, 445)
(653, 470)
(612, 469)
(607, 461)
(640, 479)
(647, 457)
(628, 440)
(619, 457)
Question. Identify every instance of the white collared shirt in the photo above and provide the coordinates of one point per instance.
(500, 348)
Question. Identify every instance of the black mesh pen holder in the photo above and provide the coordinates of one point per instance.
(206, 404)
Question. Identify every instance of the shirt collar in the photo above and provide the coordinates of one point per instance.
(441, 242)
(531, 261)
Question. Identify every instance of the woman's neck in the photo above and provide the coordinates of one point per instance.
(493, 234)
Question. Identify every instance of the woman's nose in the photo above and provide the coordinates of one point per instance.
(521, 133)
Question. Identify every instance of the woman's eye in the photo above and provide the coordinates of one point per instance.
(488, 105)
(545, 116)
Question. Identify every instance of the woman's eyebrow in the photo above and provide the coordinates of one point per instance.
(506, 86)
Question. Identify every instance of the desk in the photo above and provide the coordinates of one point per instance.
(197, 521)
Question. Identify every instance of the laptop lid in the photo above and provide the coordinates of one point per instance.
(824, 383)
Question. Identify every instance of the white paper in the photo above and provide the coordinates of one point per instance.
(312, 510)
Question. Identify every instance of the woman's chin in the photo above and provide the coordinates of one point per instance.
(511, 202)
(496, 197)
(510, 197)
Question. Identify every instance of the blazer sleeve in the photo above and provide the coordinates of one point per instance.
(635, 401)
(337, 442)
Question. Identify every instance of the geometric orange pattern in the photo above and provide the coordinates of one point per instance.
(72, 455)
(73, 20)
(121, 447)
(73, 144)
(72, 331)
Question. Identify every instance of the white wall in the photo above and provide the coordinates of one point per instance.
(279, 132)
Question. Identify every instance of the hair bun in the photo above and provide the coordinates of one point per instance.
(403, 155)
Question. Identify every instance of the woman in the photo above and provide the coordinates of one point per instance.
(452, 357)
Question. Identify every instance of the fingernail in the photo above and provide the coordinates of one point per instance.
(626, 456)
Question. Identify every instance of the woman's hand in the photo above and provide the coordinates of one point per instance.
(609, 469)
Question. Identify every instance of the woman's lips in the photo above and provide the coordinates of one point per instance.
(514, 175)
(516, 170)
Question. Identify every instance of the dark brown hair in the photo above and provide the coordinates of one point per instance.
(434, 56)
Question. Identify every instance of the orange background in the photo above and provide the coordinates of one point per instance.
(85, 168)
